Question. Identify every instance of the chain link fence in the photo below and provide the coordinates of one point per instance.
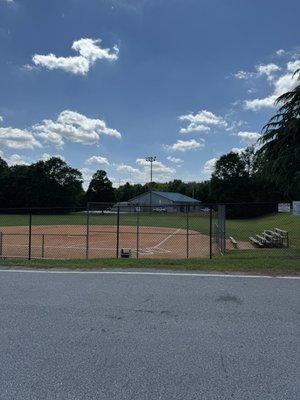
(103, 230)
(265, 227)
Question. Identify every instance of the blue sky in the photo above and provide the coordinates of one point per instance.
(104, 83)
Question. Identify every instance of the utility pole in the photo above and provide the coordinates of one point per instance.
(151, 160)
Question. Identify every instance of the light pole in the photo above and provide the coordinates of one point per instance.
(151, 160)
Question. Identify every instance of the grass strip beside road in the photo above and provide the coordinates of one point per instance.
(271, 262)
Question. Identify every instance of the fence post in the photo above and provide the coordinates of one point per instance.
(137, 233)
(118, 230)
(1, 244)
(210, 232)
(187, 232)
(224, 229)
(87, 231)
(43, 245)
(30, 235)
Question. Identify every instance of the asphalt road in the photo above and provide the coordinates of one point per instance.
(109, 336)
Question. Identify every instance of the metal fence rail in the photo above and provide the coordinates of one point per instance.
(103, 230)
(219, 229)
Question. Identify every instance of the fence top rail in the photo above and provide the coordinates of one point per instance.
(41, 211)
(119, 205)
(98, 233)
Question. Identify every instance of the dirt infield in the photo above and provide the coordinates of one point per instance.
(72, 241)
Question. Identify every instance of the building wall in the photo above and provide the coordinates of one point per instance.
(144, 200)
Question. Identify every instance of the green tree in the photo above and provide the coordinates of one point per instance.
(128, 191)
(3, 182)
(100, 188)
(49, 183)
(237, 179)
(280, 149)
(55, 183)
(3, 166)
(176, 186)
(230, 166)
(230, 181)
(251, 160)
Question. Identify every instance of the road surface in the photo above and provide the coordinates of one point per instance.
(148, 336)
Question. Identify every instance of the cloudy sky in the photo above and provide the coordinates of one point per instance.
(104, 83)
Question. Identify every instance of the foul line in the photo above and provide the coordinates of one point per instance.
(167, 238)
(200, 275)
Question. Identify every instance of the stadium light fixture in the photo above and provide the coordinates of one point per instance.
(151, 160)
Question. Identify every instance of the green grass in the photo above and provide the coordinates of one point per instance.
(266, 261)
(197, 222)
(260, 260)
(240, 229)
(23, 220)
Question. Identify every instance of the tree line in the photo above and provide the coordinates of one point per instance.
(268, 173)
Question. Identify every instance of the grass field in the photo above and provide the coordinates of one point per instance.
(270, 261)
(264, 261)
(240, 229)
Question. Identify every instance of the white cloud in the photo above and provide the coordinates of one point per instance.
(201, 121)
(17, 159)
(280, 52)
(261, 70)
(18, 138)
(209, 166)
(97, 160)
(75, 65)
(281, 84)
(9, 1)
(87, 175)
(69, 126)
(244, 74)
(92, 51)
(292, 66)
(73, 127)
(46, 156)
(157, 166)
(1, 119)
(127, 168)
(193, 127)
(257, 104)
(161, 172)
(248, 137)
(175, 160)
(234, 125)
(186, 145)
(28, 67)
(238, 150)
(89, 50)
(268, 70)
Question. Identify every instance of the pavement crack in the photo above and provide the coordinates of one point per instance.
(223, 365)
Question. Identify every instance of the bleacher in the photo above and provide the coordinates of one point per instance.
(276, 238)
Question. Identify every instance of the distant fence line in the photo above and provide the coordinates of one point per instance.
(104, 229)
(160, 231)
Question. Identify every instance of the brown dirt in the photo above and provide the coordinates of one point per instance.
(70, 241)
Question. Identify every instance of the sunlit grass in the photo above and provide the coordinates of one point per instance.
(241, 229)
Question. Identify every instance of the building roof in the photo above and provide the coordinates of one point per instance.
(176, 197)
(172, 196)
